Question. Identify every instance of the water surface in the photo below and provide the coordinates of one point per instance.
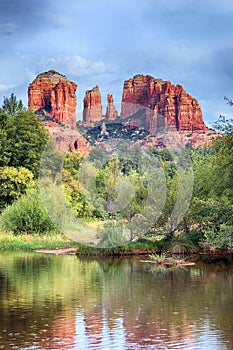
(62, 302)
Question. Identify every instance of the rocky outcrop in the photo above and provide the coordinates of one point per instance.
(52, 93)
(66, 138)
(150, 108)
(157, 104)
(92, 106)
(111, 113)
(80, 145)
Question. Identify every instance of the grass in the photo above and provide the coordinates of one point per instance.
(29, 242)
(141, 246)
(160, 259)
(55, 240)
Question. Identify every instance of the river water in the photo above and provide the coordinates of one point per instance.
(64, 302)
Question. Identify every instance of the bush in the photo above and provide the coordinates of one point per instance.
(27, 214)
(13, 183)
(112, 235)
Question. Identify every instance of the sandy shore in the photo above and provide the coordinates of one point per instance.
(71, 251)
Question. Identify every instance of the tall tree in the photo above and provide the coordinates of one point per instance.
(11, 106)
(225, 124)
(22, 137)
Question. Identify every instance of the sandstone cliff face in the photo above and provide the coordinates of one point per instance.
(80, 145)
(166, 105)
(53, 93)
(111, 113)
(66, 138)
(92, 106)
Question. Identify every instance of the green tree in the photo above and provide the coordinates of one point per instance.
(51, 163)
(23, 138)
(73, 162)
(27, 214)
(98, 157)
(224, 124)
(28, 139)
(211, 208)
(13, 183)
(222, 165)
(112, 174)
(137, 202)
(11, 106)
(5, 147)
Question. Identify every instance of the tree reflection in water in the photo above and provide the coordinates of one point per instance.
(54, 302)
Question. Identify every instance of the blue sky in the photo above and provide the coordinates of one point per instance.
(105, 42)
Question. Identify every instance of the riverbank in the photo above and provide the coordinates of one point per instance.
(28, 242)
(59, 244)
(56, 243)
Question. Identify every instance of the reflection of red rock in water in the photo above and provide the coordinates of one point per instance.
(147, 331)
(94, 324)
(140, 329)
(64, 332)
(53, 93)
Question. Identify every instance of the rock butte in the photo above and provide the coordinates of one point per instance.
(149, 103)
(177, 108)
(53, 94)
(92, 106)
(111, 113)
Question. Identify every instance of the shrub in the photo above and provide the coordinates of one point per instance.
(112, 235)
(13, 183)
(27, 214)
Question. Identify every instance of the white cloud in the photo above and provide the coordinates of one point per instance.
(5, 87)
(76, 65)
(8, 28)
(30, 76)
(57, 19)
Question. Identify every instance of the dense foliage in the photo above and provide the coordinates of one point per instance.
(27, 214)
(212, 204)
(22, 137)
(13, 183)
(114, 188)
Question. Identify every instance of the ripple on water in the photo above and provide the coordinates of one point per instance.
(92, 304)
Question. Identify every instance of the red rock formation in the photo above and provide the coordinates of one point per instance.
(146, 102)
(111, 113)
(67, 139)
(80, 145)
(53, 93)
(165, 104)
(92, 106)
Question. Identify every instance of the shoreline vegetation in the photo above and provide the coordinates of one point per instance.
(28, 242)
(130, 194)
(57, 244)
